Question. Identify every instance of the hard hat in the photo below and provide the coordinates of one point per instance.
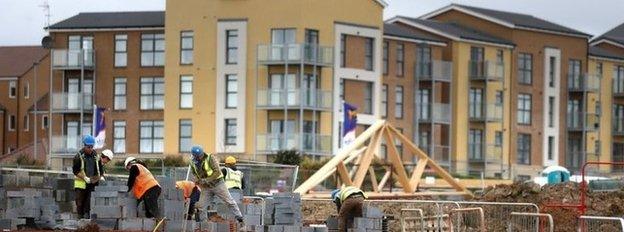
(197, 150)
(334, 195)
(129, 160)
(108, 154)
(230, 160)
(88, 140)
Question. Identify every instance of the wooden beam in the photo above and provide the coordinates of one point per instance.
(384, 179)
(397, 163)
(395, 195)
(373, 178)
(418, 172)
(344, 175)
(351, 156)
(367, 159)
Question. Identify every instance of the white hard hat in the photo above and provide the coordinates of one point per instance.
(128, 160)
(108, 154)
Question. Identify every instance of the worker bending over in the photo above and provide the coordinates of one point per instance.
(349, 201)
(234, 178)
(144, 186)
(191, 193)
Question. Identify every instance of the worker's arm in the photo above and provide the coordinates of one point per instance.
(224, 171)
(214, 165)
(134, 172)
(76, 167)
(243, 182)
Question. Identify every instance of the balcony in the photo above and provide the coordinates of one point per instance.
(312, 54)
(66, 144)
(312, 143)
(485, 153)
(434, 113)
(486, 70)
(583, 83)
(618, 126)
(71, 102)
(579, 121)
(313, 99)
(486, 112)
(440, 153)
(73, 59)
(618, 89)
(435, 70)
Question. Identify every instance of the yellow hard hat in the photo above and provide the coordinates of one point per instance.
(230, 160)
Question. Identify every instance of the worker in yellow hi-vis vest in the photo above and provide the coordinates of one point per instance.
(349, 201)
(234, 178)
(87, 170)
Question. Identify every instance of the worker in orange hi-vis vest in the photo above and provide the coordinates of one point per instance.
(192, 193)
(144, 186)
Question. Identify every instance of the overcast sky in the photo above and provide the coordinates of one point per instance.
(21, 21)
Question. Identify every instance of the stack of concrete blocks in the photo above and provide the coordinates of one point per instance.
(283, 213)
(371, 220)
(64, 194)
(107, 203)
(171, 205)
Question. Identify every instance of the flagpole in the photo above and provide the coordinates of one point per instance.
(94, 120)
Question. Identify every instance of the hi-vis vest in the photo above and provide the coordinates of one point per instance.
(79, 183)
(348, 191)
(206, 166)
(187, 187)
(233, 179)
(143, 182)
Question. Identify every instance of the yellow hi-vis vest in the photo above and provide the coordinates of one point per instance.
(206, 166)
(79, 183)
(348, 191)
(233, 179)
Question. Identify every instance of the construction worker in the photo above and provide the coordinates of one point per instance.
(349, 201)
(207, 175)
(86, 168)
(144, 186)
(192, 193)
(233, 177)
(106, 156)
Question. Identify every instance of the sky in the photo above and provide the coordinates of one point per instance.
(22, 21)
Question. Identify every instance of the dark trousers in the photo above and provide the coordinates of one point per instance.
(192, 200)
(349, 209)
(83, 201)
(150, 202)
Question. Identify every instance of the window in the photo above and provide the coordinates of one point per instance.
(398, 144)
(27, 90)
(311, 45)
(424, 61)
(186, 92)
(343, 50)
(12, 122)
(230, 131)
(618, 80)
(551, 112)
(499, 98)
(524, 108)
(422, 101)
(599, 69)
(368, 98)
(152, 93)
(152, 50)
(186, 47)
(368, 54)
(342, 88)
(498, 139)
(384, 100)
(44, 122)
(476, 103)
(574, 72)
(499, 56)
(386, 54)
(119, 136)
(476, 62)
(475, 144)
(231, 91)
(121, 50)
(399, 60)
(551, 147)
(524, 149)
(423, 141)
(597, 147)
(231, 54)
(12, 89)
(151, 136)
(598, 108)
(525, 68)
(120, 93)
(26, 122)
(185, 137)
(398, 106)
(551, 72)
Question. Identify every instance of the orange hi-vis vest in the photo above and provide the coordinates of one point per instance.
(143, 182)
(187, 187)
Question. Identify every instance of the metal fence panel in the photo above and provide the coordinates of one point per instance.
(600, 224)
(527, 222)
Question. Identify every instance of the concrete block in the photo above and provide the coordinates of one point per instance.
(104, 194)
(106, 224)
(9, 180)
(372, 212)
(321, 229)
(174, 225)
(36, 181)
(107, 212)
(291, 228)
(131, 224)
(148, 224)
(253, 219)
(332, 222)
(274, 228)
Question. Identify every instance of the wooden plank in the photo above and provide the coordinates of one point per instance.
(418, 172)
(384, 179)
(373, 178)
(344, 175)
(367, 159)
(351, 156)
(397, 163)
(395, 195)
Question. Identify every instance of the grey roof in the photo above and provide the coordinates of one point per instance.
(97, 20)
(460, 31)
(393, 29)
(601, 52)
(616, 34)
(524, 20)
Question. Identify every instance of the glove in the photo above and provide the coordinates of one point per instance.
(102, 179)
(87, 179)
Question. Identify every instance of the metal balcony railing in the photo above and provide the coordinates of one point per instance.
(583, 83)
(618, 88)
(485, 153)
(73, 59)
(295, 53)
(434, 112)
(490, 112)
(434, 70)
(72, 101)
(66, 144)
(312, 143)
(618, 126)
(280, 98)
(575, 121)
(486, 70)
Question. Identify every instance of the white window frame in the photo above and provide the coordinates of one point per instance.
(44, 122)
(27, 90)
(121, 51)
(152, 138)
(119, 141)
(11, 122)
(12, 89)
(186, 96)
(524, 113)
(231, 78)
(119, 97)
(26, 122)
(152, 51)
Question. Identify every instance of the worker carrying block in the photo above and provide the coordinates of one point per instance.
(349, 201)
(144, 186)
(192, 192)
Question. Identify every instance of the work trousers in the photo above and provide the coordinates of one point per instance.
(349, 209)
(150, 202)
(220, 190)
(192, 201)
(83, 201)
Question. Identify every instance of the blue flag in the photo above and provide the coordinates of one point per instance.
(350, 123)
(100, 127)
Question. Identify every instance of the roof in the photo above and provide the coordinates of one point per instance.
(99, 20)
(458, 31)
(604, 53)
(17, 60)
(616, 35)
(510, 19)
(393, 29)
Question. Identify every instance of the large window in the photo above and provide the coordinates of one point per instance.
(398, 106)
(121, 50)
(400, 56)
(186, 92)
(152, 93)
(476, 103)
(12, 89)
(368, 98)
(152, 50)
(186, 47)
(231, 43)
(384, 100)
(120, 94)
(524, 149)
(525, 68)
(119, 136)
(368, 54)
(230, 131)
(475, 144)
(524, 108)
(186, 134)
(386, 51)
(151, 136)
(231, 91)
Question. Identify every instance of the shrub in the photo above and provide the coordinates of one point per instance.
(28, 161)
(175, 161)
(288, 157)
